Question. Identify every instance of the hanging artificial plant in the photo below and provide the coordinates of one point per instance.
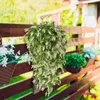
(46, 45)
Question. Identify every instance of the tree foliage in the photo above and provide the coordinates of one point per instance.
(25, 11)
(68, 19)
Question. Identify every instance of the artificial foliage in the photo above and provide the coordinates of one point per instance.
(74, 60)
(7, 55)
(91, 52)
(46, 45)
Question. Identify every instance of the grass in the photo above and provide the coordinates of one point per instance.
(16, 79)
(55, 91)
(28, 75)
(19, 94)
(94, 89)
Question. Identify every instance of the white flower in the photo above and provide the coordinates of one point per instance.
(25, 57)
(3, 51)
(4, 61)
(11, 51)
(12, 46)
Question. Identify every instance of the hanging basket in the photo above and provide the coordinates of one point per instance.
(6, 73)
(73, 70)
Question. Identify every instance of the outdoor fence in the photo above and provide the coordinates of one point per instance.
(75, 88)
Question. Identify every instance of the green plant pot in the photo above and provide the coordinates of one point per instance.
(6, 73)
(73, 70)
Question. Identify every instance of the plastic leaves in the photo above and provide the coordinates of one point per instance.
(46, 45)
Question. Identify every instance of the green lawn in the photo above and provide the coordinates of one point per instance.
(94, 89)
(16, 79)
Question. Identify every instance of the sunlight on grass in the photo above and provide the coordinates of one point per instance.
(27, 75)
(16, 79)
(64, 75)
(64, 86)
(13, 40)
(70, 48)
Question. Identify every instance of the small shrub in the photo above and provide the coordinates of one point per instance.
(74, 60)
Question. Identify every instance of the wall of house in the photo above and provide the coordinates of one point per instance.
(89, 12)
(89, 18)
(98, 20)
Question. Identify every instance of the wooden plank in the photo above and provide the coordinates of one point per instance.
(63, 81)
(13, 30)
(99, 39)
(0, 40)
(52, 12)
(6, 25)
(6, 73)
(23, 48)
(88, 1)
(56, 18)
(91, 61)
(84, 88)
(72, 29)
(78, 29)
(87, 29)
(74, 86)
(80, 41)
(15, 88)
(20, 47)
(31, 96)
(75, 30)
(28, 96)
(66, 29)
(22, 68)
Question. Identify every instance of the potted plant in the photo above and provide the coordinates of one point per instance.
(7, 63)
(92, 52)
(46, 45)
(89, 53)
(74, 62)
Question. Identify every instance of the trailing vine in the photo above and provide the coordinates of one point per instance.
(46, 45)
